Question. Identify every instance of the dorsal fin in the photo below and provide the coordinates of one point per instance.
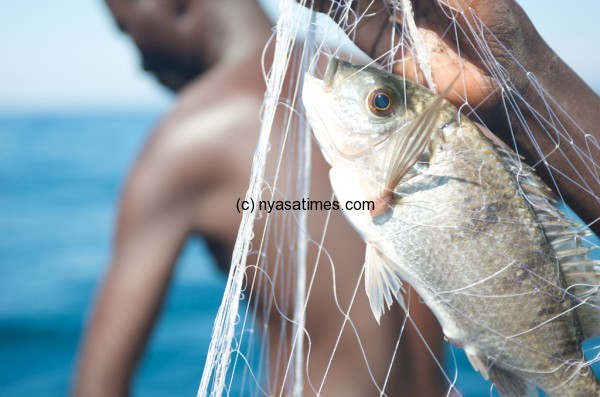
(580, 273)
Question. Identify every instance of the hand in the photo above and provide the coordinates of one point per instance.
(494, 44)
(449, 29)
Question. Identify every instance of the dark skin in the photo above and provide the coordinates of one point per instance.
(186, 182)
(169, 36)
(513, 41)
(189, 48)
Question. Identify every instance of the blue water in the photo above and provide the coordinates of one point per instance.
(60, 177)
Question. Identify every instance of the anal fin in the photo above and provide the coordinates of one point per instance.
(510, 384)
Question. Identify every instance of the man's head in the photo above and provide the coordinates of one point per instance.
(168, 34)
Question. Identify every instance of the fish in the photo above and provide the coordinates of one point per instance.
(463, 220)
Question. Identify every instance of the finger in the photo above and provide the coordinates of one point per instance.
(378, 31)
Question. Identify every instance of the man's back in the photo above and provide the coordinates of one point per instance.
(187, 181)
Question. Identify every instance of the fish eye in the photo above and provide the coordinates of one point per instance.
(382, 102)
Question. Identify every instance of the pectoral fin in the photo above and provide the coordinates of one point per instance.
(410, 142)
(382, 281)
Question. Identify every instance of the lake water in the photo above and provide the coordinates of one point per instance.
(60, 177)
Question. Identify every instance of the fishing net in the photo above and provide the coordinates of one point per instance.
(262, 341)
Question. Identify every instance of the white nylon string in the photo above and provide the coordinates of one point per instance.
(284, 359)
(302, 243)
(219, 352)
(417, 44)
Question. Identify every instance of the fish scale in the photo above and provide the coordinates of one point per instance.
(524, 271)
(470, 227)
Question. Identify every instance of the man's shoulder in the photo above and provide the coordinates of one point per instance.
(202, 144)
(207, 116)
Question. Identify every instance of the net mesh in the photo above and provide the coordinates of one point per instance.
(263, 333)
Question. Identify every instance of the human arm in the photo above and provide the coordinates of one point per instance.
(560, 127)
(169, 195)
(151, 228)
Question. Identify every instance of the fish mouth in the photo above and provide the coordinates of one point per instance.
(325, 125)
(313, 92)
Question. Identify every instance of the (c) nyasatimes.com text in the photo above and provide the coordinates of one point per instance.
(302, 205)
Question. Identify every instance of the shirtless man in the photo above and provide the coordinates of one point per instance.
(187, 181)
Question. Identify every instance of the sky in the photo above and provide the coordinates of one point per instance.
(66, 54)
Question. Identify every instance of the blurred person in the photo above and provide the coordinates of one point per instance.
(568, 164)
(186, 182)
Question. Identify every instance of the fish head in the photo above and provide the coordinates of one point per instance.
(373, 124)
(354, 110)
